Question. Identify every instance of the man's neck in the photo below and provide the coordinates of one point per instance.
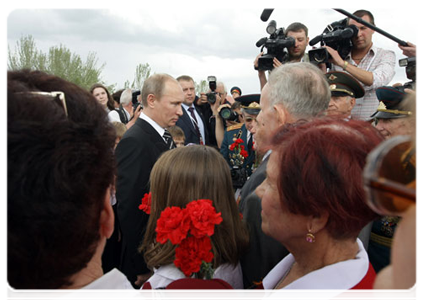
(360, 53)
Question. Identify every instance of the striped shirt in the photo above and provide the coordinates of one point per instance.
(382, 64)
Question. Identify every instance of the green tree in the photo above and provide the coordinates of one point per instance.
(142, 72)
(201, 87)
(59, 61)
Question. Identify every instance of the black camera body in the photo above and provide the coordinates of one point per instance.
(276, 45)
(410, 70)
(135, 103)
(337, 35)
(211, 97)
(228, 114)
(239, 176)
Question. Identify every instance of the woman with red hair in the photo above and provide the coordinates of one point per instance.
(313, 202)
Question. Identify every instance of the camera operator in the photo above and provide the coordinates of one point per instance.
(297, 53)
(372, 66)
(125, 113)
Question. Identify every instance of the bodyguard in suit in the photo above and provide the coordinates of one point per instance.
(136, 154)
(192, 121)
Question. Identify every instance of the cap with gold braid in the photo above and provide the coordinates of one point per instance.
(390, 105)
(342, 84)
(250, 103)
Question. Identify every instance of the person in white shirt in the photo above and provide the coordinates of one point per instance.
(179, 177)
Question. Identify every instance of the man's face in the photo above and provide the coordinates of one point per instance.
(189, 91)
(301, 42)
(392, 127)
(167, 109)
(221, 91)
(266, 122)
(235, 95)
(340, 105)
(249, 120)
(363, 40)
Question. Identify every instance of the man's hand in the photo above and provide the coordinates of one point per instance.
(141, 279)
(409, 51)
(336, 58)
(202, 99)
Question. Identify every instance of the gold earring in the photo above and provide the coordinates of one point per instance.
(310, 237)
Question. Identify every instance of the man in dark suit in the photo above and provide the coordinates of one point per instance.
(136, 154)
(192, 120)
(283, 100)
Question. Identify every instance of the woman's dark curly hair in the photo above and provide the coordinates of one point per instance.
(59, 170)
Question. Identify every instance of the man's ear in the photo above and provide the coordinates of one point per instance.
(107, 217)
(151, 99)
(282, 115)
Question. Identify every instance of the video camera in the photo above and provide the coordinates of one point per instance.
(275, 45)
(410, 70)
(336, 35)
(211, 97)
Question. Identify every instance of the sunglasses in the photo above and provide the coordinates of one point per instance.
(390, 176)
(55, 95)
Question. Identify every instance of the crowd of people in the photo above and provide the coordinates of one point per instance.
(166, 187)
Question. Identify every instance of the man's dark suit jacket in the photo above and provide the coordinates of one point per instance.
(187, 126)
(136, 154)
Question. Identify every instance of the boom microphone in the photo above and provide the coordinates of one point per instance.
(265, 15)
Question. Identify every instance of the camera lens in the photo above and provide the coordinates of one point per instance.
(225, 113)
(211, 98)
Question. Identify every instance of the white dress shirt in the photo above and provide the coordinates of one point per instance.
(112, 286)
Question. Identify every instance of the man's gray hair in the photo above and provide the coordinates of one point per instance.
(126, 97)
(301, 88)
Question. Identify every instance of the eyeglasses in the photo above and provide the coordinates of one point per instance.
(55, 95)
(390, 176)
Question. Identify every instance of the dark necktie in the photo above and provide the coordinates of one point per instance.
(168, 139)
(197, 129)
(250, 144)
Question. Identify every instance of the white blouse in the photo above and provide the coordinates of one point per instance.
(341, 275)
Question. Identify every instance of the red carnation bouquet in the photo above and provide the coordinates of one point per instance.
(190, 228)
(240, 154)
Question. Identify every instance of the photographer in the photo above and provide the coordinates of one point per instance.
(372, 66)
(299, 32)
(125, 113)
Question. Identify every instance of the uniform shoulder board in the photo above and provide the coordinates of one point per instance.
(233, 127)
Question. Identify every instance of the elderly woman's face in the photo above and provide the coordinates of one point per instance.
(277, 221)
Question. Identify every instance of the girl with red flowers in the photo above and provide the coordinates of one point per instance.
(193, 219)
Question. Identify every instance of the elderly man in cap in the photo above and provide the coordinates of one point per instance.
(236, 92)
(391, 118)
(237, 144)
(344, 90)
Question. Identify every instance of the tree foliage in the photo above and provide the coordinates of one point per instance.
(59, 61)
(201, 87)
(142, 72)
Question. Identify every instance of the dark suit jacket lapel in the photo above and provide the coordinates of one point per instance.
(154, 136)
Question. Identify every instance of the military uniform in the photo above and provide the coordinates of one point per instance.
(390, 107)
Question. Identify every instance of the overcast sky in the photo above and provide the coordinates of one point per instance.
(198, 40)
